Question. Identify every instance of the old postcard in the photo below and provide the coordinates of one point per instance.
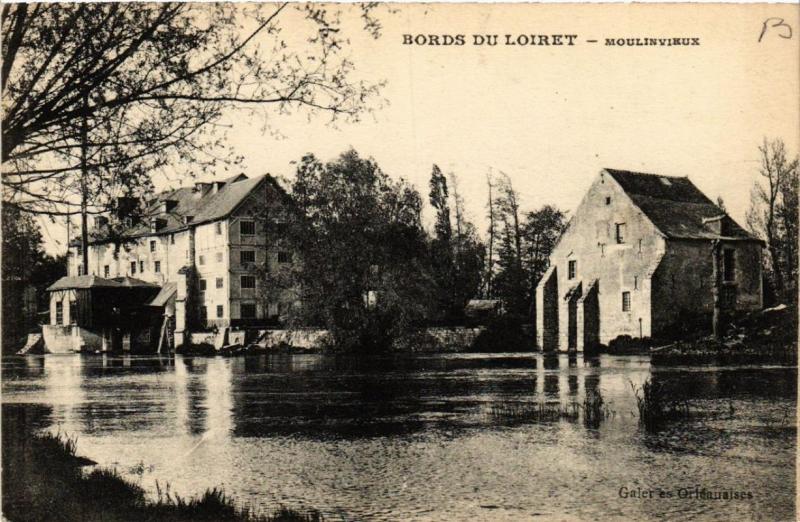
(392, 262)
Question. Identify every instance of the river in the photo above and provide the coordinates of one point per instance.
(420, 437)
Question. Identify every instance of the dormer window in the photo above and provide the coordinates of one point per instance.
(666, 182)
(167, 205)
(187, 219)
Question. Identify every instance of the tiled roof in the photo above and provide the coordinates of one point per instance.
(84, 281)
(203, 206)
(676, 206)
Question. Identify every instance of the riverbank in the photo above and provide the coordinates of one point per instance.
(43, 476)
(764, 337)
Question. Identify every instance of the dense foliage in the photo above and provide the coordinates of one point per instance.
(25, 264)
(359, 236)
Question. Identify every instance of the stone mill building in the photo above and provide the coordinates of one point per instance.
(188, 264)
(636, 259)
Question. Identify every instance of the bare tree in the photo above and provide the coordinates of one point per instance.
(490, 207)
(773, 213)
(98, 96)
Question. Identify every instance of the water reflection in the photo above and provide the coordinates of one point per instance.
(288, 429)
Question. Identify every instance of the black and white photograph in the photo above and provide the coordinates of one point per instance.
(307, 262)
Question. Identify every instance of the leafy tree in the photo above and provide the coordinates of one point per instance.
(525, 242)
(773, 216)
(456, 256)
(510, 278)
(469, 253)
(24, 264)
(540, 233)
(362, 250)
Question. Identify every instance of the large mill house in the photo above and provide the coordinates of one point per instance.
(194, 257)
(636, 259)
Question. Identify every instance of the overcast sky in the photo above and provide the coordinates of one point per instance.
(552, 117)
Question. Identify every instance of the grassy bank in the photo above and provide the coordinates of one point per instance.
(44, 479)
(763, 337)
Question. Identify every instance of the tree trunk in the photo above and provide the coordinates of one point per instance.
(84, 195)
(715, 276)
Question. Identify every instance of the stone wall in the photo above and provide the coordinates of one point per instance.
(69, 339)
(590, 241)
(683, 282)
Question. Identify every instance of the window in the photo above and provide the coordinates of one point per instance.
(626, 301)
(247, 228)
(202, 285)
(172, 239)
(219, 257)
(203, 313)
(59, 312)
(220, 282)
(220, 311)
(73, 312)
(248, 310)
(572, 268)
(218, 227)
(620, 233)
(640, 246)
(80, 270)
(635, 282)
(202, 260)
(608, 200)
(247, 256)
(152, 246)
(141, 266)
(133, 267)
(157, 267)
(106, 271)
(284, 257)
(248, 281)
(729, 265)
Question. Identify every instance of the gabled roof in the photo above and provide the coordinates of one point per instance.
(81, 282)
(204, 205)
(676, 206)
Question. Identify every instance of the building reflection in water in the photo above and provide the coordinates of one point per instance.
(203, 395)
(64, 391)
(566, 378)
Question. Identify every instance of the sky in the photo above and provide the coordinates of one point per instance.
(551, 117)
